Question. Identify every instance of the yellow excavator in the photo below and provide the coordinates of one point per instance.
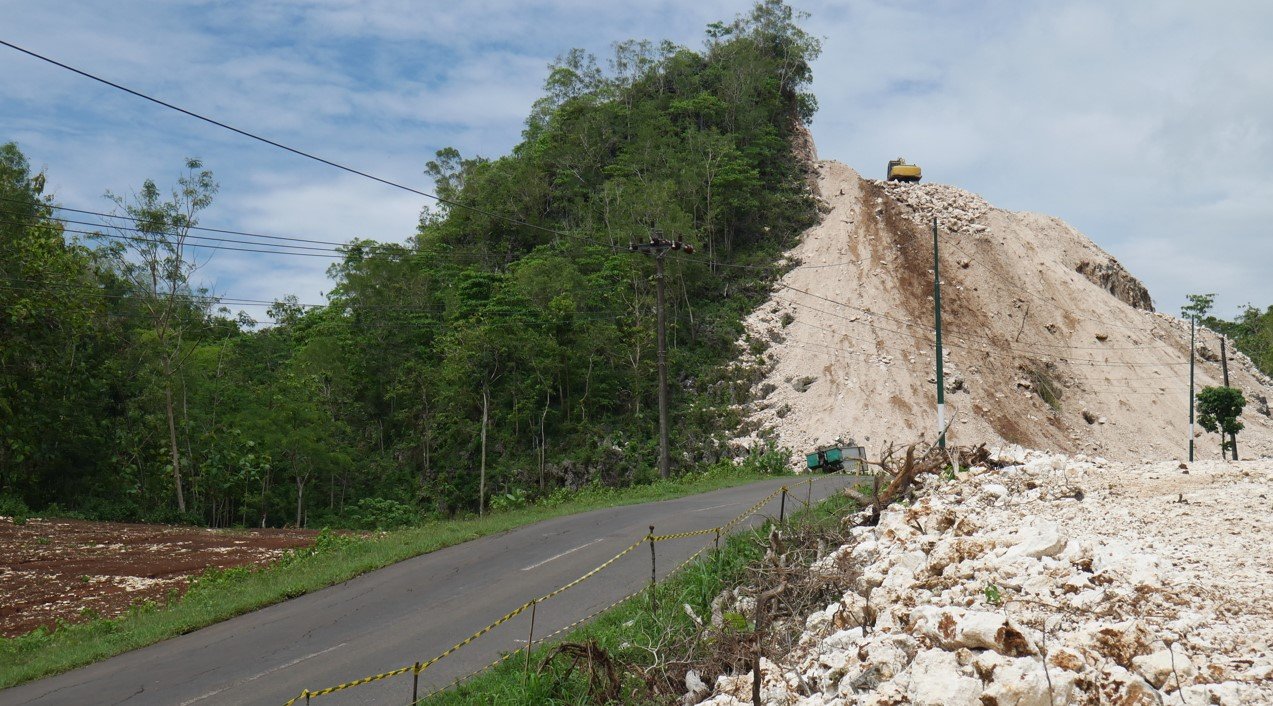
(899, 170)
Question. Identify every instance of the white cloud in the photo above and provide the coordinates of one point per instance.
(1144, 123)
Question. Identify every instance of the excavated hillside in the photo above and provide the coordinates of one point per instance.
(1048, 342)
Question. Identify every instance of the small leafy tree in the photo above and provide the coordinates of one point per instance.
(1198, 307)
(1218, 411)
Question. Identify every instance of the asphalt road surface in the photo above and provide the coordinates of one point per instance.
(412, 611)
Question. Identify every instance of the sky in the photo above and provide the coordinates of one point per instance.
(1146, 124)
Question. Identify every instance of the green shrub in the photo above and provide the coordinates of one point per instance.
(380, 514)
(14, 507)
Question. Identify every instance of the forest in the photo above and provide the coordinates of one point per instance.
(511, 338)
(503, 354)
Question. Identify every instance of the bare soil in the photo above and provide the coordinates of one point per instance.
(73, 570)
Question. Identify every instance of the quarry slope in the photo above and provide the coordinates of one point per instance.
(1054, 580)
(1048, 341)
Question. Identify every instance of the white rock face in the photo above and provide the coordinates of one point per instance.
(1127, 596)
(1016, 287)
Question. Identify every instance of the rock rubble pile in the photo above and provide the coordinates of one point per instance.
(1055, 580)
(956, 210)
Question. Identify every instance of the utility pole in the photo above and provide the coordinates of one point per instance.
(1224, 365)
(1193, 321)
(941, 382)
(657, 248)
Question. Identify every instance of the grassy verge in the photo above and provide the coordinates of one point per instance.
(219, 595)
(641, 643)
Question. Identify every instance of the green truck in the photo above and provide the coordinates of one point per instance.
(834, 458)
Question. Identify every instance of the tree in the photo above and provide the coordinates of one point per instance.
(1198, 307)
(52, 344)
(151, 252)
(1218, 411)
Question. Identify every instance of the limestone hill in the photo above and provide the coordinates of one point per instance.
(1048, 341)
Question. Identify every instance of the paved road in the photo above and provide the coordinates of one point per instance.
(409, 611)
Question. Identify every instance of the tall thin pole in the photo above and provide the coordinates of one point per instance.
(1193, 320)
(662, 324)
(1224, 365)
(941, 383)
(657, 248)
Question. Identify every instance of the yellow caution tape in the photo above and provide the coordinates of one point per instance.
(751, 511)
(682, 535)
(507, 617)
(595, 571)
(522, 608)
(349, 685)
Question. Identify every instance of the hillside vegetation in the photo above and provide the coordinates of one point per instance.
(126, 392)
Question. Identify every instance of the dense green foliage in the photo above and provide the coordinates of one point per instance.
(1252, 333)
(516, 308)
(1218, 412)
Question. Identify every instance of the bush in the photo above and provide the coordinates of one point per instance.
(511, 500)
(11, 506)
(770, 462)
(380, 514)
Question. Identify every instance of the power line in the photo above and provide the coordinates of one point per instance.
(116, 236)
(1025, 353)
(1050, 303)
(193, 227)
(903, 322)
(212, 300)
(452, 258)
(279, 145)
(189, 237)
(895, 354)
(832, 351)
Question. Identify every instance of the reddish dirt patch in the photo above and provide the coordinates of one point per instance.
(74, 570)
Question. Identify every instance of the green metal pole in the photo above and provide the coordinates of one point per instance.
(941, 382)
(1193, 321)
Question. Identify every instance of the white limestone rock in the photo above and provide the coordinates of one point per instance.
(1161, 668)
(937, 679)
(1037, 538)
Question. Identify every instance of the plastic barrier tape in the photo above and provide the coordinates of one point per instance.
(724, 529)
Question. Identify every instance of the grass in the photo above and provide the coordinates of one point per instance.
(219, 595)
(633, 636)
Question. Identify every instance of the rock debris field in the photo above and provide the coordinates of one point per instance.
(1054, 580)
(1087, 570)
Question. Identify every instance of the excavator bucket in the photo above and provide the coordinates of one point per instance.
(899, 170)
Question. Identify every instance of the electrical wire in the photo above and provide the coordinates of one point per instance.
(925, 338)
(134, 219)
(279, 145)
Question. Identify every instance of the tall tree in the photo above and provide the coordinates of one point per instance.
(153, 253)
(51, 343)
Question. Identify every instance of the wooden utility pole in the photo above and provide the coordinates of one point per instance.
(481, 488)
(941, 382)
(1224, 365)
(657, 248)
(1193, 323)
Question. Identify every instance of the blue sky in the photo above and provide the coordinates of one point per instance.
(1145, 124)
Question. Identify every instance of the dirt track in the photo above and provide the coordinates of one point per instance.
(75, 570)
